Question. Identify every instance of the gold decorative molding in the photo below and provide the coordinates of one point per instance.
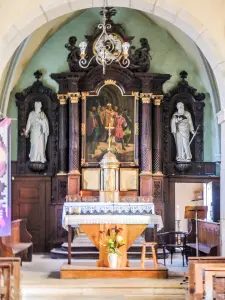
(158, 173)
(145, 173)
(136, 129)
(146, 97)
(110, 82)
(62, 99)
(74, 172)
(84, 95)
(74, 97)
(83, 129)
(136, 95)
(83, 162)
(157, 99)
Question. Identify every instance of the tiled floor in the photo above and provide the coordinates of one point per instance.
(40, 280)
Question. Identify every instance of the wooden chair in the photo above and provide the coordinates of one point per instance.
(173, 240)
(19, 243)
(153, 246)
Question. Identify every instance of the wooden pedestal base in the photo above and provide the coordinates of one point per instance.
(130, 233)
(75, 272)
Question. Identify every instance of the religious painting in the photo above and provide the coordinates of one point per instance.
(128, 179)
(91, 179)
(110, 122)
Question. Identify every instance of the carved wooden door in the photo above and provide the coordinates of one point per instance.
(30, 197)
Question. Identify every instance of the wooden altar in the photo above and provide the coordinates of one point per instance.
(93, 225)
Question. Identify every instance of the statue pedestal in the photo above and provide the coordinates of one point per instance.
(105, 196)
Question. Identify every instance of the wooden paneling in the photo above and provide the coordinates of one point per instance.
(31, 196)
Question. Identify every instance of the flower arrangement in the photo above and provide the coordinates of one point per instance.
(113, 240)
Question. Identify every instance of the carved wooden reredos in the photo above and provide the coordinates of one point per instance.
(154, 161)
(156, 149)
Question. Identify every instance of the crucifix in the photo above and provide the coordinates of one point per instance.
(109, 128)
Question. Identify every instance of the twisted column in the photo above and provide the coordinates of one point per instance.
(63, 135)
(74, 143)
(146, 137)
(157, 134)
(146, 146)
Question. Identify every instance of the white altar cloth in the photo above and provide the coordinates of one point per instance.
(105, 208)
(75, 220)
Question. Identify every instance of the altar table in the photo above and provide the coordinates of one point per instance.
(101, 217)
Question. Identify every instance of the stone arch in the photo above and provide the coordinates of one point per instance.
(169, 10)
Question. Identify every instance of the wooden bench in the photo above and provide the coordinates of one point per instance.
(10, 278)
(219, 286)
(192, 262)
(19, 243)
(208, 236)
(5, 284)
(210, 273)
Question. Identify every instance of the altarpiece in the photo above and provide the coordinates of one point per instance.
(142, 140)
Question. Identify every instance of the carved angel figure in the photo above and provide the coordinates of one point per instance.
(140, 58)
(74, 55)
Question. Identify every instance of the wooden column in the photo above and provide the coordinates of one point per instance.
(63, 135)
(157, 135)
(74, 144)
(146, 145)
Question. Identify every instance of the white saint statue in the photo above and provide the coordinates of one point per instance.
(181, 126)
(37, 126)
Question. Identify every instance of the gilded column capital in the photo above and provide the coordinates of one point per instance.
(84, 95)
(62, 99)
(157, 99)
(74, 97)
(146, 97)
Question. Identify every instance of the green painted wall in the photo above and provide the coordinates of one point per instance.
(167, 57)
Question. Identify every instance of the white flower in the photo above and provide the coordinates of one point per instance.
(119, 239)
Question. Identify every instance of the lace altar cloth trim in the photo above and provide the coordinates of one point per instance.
(75, 220)
(81, 208)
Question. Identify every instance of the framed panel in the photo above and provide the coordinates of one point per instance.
(109, 107)
(91, 179)
(129, 179)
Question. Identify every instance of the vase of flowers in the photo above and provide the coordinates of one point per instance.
(113, 240)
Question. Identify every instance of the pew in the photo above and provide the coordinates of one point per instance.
(10, 278)
(19, 243)
(219, 284)
(208, 236)
(192, 262)
(5, 276)
(210, 272)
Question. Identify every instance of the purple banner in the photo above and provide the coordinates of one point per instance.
(5, 177)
